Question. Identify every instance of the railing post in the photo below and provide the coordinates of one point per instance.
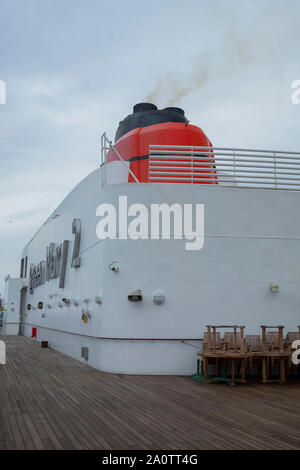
(275, 171)
(234, 176)
(104, 140)
(192, 165)
(101, 165)
(149, 153)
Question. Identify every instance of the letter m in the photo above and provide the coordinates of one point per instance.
(2, 92)
(165, 211)
(2, 353)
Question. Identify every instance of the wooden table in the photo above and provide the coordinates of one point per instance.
(233, 356)
(265, 357)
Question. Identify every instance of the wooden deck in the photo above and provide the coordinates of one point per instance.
(50, 401)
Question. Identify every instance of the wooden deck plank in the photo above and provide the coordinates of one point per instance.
(51, 401)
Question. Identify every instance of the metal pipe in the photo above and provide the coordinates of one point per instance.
(111, 338)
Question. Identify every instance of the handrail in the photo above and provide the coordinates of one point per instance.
(108, 338)
(223, 166)
(234, 167)
(104, 148)
(230, 149)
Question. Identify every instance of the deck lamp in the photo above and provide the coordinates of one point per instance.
(135, 296)
(159, 298)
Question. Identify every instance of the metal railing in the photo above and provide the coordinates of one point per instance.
(232, 167)
(247, 168)
(106, 146)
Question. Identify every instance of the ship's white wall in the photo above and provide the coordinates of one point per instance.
(117, 172)
(251, 239)
(11, 316)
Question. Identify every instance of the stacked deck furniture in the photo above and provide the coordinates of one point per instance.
(238, 351)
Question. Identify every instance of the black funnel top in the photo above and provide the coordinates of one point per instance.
(174, 110)
(147, 114)
(141, 107)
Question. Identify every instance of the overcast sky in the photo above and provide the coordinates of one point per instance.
(75, 68)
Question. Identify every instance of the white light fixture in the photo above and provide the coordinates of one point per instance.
(98, 299)
(159, 298)
(274, 287)
(89, 315)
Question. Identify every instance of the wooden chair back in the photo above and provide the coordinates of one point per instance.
(208, 341)
(253, 343)
(292, 336)
(232, 342)
(272, 340)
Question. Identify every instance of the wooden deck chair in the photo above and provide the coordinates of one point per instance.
(229, 341)
(208, 341)
(273, 340)
(291, 337)
(253, 343)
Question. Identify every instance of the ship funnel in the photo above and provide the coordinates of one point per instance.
(142, 107)
(147, 114)
(174, 109)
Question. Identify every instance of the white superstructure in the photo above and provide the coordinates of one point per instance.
(74, 288)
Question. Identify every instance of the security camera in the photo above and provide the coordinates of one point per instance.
(114, 266)
(135, 296)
